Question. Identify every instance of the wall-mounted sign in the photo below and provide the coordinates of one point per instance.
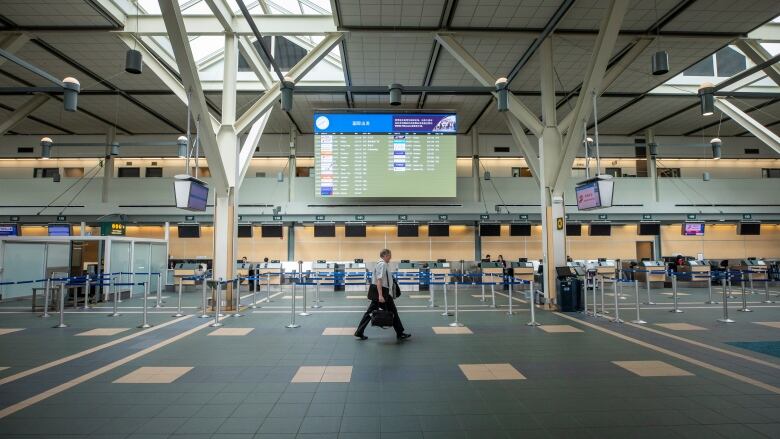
(484, 217)
(567, 216)
(443, 217)
(559, 223)
(360, 217)
(602, 216)
(277, 217)
(523, 217)
(189, 218)
(240, 217)
(320, 217)
(61, 218)
(691, 216)
(403, 217)
(747, 216)
(112, 229)
(15, 219)
(647, 216)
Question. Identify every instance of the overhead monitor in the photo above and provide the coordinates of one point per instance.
(489, 229)
(355, 230)
(652, 229)
(245, 230)
(520, 229)
(410, 230)
(188, 230)
(600, 229)
(9, 229)
(59, 229)
(271, 230)
(324, 230)
(191, 193)
(693, 229)
(595, 193)
(749, 229)
(385, 155)
(438, 229)
(573, 229)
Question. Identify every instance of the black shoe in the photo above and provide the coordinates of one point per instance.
(403, 336)
(361, 337)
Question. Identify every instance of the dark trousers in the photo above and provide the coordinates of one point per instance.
(389, 305)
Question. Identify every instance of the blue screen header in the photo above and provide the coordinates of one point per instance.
(437, 123)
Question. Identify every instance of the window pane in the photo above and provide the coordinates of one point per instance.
(730, 62)
(154, 172)
(702, 68)
(129, 172)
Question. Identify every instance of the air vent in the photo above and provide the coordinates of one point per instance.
(24, 150)
(128, 163)
(260, 174)
(154, 163)
(500, 149)
(751, 150)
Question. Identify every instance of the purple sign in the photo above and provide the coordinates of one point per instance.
(427, 123)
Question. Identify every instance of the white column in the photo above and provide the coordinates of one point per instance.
(108, 164)
(652, 170)
(475, 164)
(291, 165)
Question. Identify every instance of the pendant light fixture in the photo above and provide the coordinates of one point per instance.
(660, 61)
(133, 59)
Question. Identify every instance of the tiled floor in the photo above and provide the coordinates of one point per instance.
(496, 378)
(153, 375)
(97, 332)
(681, 326)
(770, 324)
(231, 331)
(4, 331)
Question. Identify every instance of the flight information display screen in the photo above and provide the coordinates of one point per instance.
(385, 155)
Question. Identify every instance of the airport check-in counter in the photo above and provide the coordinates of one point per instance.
(408, 275)
(756, 267)
(696, 271)
(492, 271)
(523, 271)
(187, 269)
(242, 270)
(355, 276)
(651, 271)
(269, 273)
(606, 269)
(439, 271)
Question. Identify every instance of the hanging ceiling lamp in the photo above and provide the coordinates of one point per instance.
(46, 148)
(133, 59)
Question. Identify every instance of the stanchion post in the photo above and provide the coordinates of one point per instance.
(766, 290)
(585, 297)
(317, 290)
(532, 301)
(750, 279)
(709, 290)
(204, 305)
(292, 324)
(456, 323)
(594, 281)
(510, 297)
(112, 289)
(432, 299)
(616, 319)
(145, 323)
(47, 292)
(492, 291)
(159, 291)
(601, 286)
(638, 320)
(675, 309)
(86, 293)
(178, 308)
(725, 318)
(217, 287)
(446, 312)
(254, 292)
(744, 297)
(647, 285)
(236, 283)
(62, 307)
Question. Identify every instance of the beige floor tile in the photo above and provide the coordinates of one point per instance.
(672, 294)
(309, 374)
(360, 297)
(290, 297)
(339, 331)
(153, 375)
(337, 374)
(652, 368)
(681, 327)
(446, 330)
(3, 367)
(323, 374)
(102, 332)
(4, 331)
(490, 372)
(559, 328)
(770, 324)
(231, 331)
(419, 296)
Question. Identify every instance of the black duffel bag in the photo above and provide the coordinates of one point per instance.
(382, 318)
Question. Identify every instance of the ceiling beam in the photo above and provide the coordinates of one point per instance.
(758, 54)
(12, 43)
(22, 112)
(211, 25)
(516, 107)
(753, 126)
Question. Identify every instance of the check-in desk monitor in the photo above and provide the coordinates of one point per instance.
(270, 273)
(243, 269)
(408, 275)
(656, 269)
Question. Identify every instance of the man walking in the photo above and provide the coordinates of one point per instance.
(382, 299)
